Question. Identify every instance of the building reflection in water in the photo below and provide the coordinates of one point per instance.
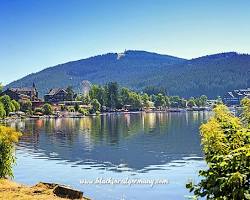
(137, 139)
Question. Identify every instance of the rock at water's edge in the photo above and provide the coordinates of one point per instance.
(67, 192)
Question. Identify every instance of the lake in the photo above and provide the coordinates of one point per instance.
(118, 147)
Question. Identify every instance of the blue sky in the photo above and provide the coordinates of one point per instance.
(36, 34)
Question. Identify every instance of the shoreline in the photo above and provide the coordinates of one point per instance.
(77, 116)
(10, 189)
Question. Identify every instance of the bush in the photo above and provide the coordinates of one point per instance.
(246, 111)
(47, 109)
(83, 111)
(16, 105)
(2, 111)
(191, 103)
(96, 106)
(226, 145)
(12, 107)
(98, 112)
(38, 110)
(92, 111)
(26, 106)
(71, 109)
(76, 107)
(6, 101)
(63, 108)
(8, 137)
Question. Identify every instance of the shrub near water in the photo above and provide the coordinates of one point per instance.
(8, 137)
(8, 106)
(226, 145)
(47, 109)
(2, 111)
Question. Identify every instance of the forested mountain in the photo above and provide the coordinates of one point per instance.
(212, 75)
(126, 68)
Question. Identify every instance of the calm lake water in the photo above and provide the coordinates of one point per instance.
(145, 146)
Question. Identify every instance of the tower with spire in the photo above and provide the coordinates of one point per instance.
(34, 92)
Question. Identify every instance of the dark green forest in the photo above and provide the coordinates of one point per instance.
(212, 75)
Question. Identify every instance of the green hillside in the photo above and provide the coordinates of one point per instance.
(211, 75)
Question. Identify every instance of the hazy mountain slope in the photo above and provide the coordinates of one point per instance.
(212, 75)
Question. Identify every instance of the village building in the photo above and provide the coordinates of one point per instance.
(57, 95)
(234, 97)
(22, 93)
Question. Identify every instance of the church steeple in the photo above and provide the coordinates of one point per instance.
(34, 91)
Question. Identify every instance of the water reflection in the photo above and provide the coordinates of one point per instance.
(116, 141)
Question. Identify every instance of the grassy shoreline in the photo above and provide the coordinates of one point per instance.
(12, 190)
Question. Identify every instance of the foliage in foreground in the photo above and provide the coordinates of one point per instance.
(8, 137)
(226, 145)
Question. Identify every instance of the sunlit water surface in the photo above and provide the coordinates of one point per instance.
(146, 146)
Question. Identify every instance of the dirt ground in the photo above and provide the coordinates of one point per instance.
(10, 190)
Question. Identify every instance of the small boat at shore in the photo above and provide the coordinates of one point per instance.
(36, 117)
(176, 110)
(199, 109)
